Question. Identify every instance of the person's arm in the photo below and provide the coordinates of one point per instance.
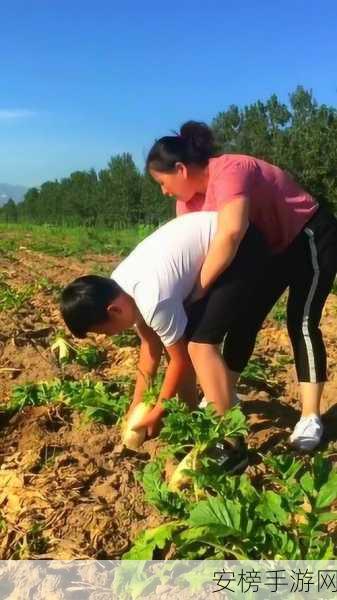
(233, 221)
(149, 359)
(179, 376)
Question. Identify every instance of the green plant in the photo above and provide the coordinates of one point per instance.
(279, 311)
(48, 286)
(283, 517)
(86, 356)
(256, 372)
(128, 338)
(96, 400)
(89, 356)
(334, 288)
(194, 435)
(157, 491)
(11, 299)
(284, 520)
(183, 428)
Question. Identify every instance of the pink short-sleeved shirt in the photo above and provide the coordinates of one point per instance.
(279, 207)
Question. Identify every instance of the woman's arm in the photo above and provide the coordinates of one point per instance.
(233, 221)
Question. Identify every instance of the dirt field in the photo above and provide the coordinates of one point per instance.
(67, 488)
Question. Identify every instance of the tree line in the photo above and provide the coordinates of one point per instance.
(300, 136)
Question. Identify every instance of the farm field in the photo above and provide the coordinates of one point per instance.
(68, 487)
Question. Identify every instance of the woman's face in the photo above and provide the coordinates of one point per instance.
(179, 184)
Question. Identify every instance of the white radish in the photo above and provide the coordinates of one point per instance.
(180, 479)
(133, 439)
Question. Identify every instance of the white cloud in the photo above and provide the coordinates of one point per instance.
(15, 113)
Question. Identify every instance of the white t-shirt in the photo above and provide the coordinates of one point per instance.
(161, 271)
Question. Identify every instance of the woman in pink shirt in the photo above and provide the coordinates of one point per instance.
(301, 236)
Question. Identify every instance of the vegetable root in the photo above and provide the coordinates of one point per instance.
(180, 479)
(133, 439)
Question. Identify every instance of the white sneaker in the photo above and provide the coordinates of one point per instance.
(307, 433)
(236, 400)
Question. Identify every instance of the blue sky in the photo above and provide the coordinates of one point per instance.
(83, 80)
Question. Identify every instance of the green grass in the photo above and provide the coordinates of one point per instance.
(105, 402)
(279, 311)
(70, 241)
(14, 299)
(255, 372)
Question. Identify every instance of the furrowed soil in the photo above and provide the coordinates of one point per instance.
(67, 486)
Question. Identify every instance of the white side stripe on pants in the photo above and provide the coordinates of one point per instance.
(307, 306)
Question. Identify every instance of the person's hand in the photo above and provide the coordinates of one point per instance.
(152, 422)
(196, 294)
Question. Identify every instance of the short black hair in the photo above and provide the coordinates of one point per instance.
(85, 300)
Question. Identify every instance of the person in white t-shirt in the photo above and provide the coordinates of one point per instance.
(149, 290)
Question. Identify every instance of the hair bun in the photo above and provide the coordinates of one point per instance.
(199, 137)
(194, 145)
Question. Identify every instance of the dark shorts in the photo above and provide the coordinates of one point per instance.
(210, 318)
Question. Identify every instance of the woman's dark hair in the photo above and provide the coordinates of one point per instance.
(84, 302)
(193, 146)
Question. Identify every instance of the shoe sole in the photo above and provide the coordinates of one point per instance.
(302, 449)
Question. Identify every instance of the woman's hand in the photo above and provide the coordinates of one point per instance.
(196, 294)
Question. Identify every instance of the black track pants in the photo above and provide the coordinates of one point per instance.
(308, 268)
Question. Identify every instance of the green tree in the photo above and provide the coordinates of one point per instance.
(301, 138)
(9, 211)
(120, 190)
(156, 208)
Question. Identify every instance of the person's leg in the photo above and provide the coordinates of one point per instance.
(240, 340)
(311, 394)
(217, 388)
(187, 391)
(307, 295)
(210, 318)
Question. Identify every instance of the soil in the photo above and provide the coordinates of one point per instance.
(67, 487)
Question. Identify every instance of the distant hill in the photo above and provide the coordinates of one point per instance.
(7, 191)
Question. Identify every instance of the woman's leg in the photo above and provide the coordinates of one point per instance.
(308, 292)
(211, 318)
(241, 337)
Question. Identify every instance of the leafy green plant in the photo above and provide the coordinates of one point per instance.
(11, 299)
(86, 356)
(279, 311)
(254, 372)
(152, 392)
(126, 339)
(284, 520)
(89, 356)
(194, 435)
(334, 287)
(96, 400)
(282, 360)
(48, 286)
(183, 428)
(157, 492)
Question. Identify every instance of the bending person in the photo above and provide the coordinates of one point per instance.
(148, 289)
(301, 235)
